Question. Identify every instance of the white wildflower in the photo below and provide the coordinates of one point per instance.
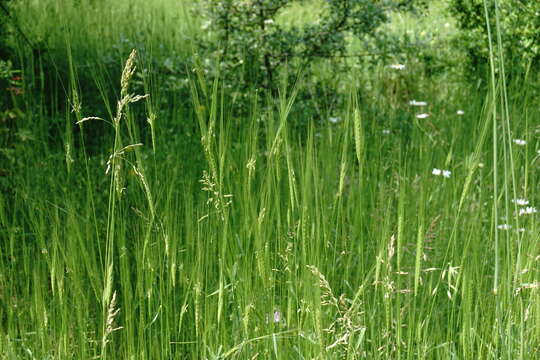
(397, 66)
(504, 227)
(334, 120)
(521, 202)
(422, 116)
(386, 131)
(268, 22)
(527, 211)
(519, 142)
(439, 172)
(417, 103)
(460, 112)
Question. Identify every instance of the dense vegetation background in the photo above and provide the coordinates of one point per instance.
(276, 179)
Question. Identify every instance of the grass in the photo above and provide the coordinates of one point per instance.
(247, 237)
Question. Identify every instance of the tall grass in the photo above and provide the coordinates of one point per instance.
(260, 240)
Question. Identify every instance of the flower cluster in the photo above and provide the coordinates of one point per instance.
(521, 202)
(439, 172)
(527, 210)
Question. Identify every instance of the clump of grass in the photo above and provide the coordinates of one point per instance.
(340, 242)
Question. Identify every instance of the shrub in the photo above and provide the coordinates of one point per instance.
(252, 45)
(519, 24)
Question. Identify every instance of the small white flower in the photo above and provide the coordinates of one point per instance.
(521, 202)
(439, 172)
(521, 230)
(334, 119)
(527, 211)
(397, 66)
(268, 22)
(504, 227)
(386, 131)
(538, 151)
(460, 112)
(519, 142)
(417, 103)
(422, 116)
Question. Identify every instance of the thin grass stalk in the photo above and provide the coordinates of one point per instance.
(495, 137)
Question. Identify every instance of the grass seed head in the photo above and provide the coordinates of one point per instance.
(127, 73)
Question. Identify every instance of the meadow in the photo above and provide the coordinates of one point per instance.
(147, 212)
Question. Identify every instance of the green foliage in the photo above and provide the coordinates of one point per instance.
(251, 239)
(10, 90)
(252, 45)
(4, 17)
(337, 243)
(519, 22)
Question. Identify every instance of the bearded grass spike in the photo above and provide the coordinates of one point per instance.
(146, 189)
(151, 120)
(419, 253)
(358, 136)
(344, 156)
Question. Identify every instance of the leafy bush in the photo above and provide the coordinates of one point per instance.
(519, 24)
(252, 45)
